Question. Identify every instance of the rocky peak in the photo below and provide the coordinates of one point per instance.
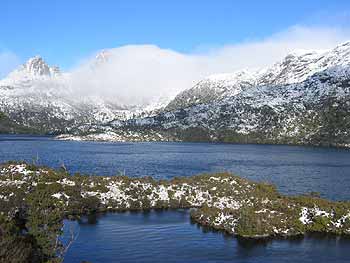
(298, 66)
(37, 67)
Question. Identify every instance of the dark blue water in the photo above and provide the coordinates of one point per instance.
(169, 236)
(293, 169)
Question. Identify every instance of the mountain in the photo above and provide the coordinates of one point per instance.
(294, 68)
(41, 98)
(213, 88)
(8, 126)
(303, 99)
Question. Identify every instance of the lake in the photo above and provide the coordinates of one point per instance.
(158, 236)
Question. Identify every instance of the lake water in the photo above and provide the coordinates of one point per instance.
(169, 236)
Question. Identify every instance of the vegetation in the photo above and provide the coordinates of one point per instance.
(35, 200)
(9, 126)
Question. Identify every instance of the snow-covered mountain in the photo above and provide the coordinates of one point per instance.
(294, 68)
(213, 88)
(303, 99)
(39, 96)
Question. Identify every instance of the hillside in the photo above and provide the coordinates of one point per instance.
(41, 97)
(304, 99)
(9, 126)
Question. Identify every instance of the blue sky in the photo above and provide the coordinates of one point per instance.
(66, 31)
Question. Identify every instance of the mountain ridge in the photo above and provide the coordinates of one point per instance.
(293, 68)
(302, 99)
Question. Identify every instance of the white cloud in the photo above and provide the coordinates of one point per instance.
(8, 62)
(140, 73)
(262, 53)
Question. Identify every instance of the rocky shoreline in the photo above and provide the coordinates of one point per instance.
(123, 136)
(118, 136)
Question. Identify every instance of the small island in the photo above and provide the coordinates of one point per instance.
(34, 200)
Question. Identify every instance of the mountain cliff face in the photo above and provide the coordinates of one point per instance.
(303, 99)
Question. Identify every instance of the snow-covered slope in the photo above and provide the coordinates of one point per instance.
(294, 68)
(41, 97)
(213, 88)
(304, 99)
(315, 111)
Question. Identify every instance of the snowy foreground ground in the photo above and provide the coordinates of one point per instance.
(219, 201)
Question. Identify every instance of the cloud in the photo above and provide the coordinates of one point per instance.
(141, 74)
(262, 53)
(137, 74)
(8, 62)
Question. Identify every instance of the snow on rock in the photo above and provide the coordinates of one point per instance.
(41, 96)
(304, 216)
(295, 101)
(221, 201)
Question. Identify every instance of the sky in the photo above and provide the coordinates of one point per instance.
(193, 38)
(65, 31)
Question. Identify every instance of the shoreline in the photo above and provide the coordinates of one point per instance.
(83, 138)
(222, 201)
(34, 201)
(91, 138)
